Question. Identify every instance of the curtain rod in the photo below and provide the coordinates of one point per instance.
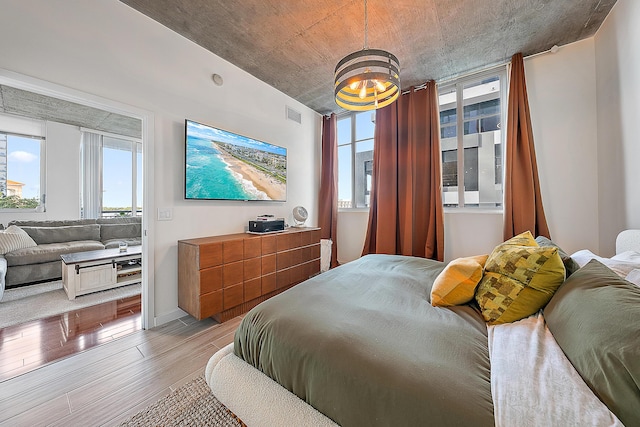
(487, 68)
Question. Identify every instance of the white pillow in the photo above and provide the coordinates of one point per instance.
(622, 267)
(629, 256)
(14, 238)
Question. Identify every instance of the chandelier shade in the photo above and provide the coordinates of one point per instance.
(366, 80)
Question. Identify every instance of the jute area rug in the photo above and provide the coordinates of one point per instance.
(193, 404)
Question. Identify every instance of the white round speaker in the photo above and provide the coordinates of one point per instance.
(300, 215)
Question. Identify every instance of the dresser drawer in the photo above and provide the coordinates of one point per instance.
(210, 304)
(210, 280)
(210, 255)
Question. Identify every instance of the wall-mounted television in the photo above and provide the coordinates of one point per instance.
(222, 165)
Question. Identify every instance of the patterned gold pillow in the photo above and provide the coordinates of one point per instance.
(457, 283)
(522, 239)
(520, 278)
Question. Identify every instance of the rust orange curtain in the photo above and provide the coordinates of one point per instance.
(328, 198)
(522, 200)
(406, 214)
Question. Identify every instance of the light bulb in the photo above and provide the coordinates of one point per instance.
(363, 90)
(379, 85)
(354, 85)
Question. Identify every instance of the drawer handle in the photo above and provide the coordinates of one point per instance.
(78, 266)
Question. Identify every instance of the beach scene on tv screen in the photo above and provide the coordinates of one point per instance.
(224, 165)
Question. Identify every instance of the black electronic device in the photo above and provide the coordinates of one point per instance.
(266, 226)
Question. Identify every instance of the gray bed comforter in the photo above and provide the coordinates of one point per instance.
(363, 345)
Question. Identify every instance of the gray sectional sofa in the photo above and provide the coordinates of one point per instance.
(54, 238)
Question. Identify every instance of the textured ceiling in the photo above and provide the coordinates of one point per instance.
(29, 104)
(295, 45)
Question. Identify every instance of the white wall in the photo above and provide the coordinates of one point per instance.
(617, 44)
(63, 171)
(562, 100)
(109, 50)
(468, 234)
(352, 228)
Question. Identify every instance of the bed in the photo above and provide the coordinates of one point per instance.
(362, 344)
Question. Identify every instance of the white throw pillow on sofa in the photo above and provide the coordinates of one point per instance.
(14, 238)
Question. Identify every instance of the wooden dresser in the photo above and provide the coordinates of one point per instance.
(225, 276)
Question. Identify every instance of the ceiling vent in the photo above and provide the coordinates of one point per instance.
(294, 115)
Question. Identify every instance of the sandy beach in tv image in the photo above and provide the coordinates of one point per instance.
(252, 171)
(227, 166)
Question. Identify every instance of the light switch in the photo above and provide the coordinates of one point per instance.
(165, 214)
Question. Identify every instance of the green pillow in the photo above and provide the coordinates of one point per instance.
(595, 318)
(520, 278)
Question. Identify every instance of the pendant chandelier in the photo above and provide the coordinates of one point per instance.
(367, 79)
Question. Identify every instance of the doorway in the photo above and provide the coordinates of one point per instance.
(104, 110)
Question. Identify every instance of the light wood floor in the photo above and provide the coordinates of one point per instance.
(107, 384)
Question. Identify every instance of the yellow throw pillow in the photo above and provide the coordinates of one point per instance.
(520, 278)
(456, 285)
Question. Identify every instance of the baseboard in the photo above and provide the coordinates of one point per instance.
(168, 317)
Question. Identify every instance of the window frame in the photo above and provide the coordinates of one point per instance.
(98, 168)
(135, 147)
(458, 86)
(353, 142)
(33, 129)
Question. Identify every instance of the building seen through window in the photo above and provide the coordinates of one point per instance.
(22, 163)
(472, 159)
(355, 159)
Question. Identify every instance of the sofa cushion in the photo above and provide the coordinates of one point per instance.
(49, 252)
(114, 243)
(120, 220)
(14, 238)
(44, 235)
(22, 274)
(51, 223)
(120, 231)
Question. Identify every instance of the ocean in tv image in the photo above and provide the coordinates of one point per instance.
(225, 166)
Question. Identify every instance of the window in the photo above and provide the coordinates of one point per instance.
(355, 158)
(472, 159)
(22, 164)
(112, 176)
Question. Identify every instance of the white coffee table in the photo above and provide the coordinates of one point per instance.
(92, 271)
